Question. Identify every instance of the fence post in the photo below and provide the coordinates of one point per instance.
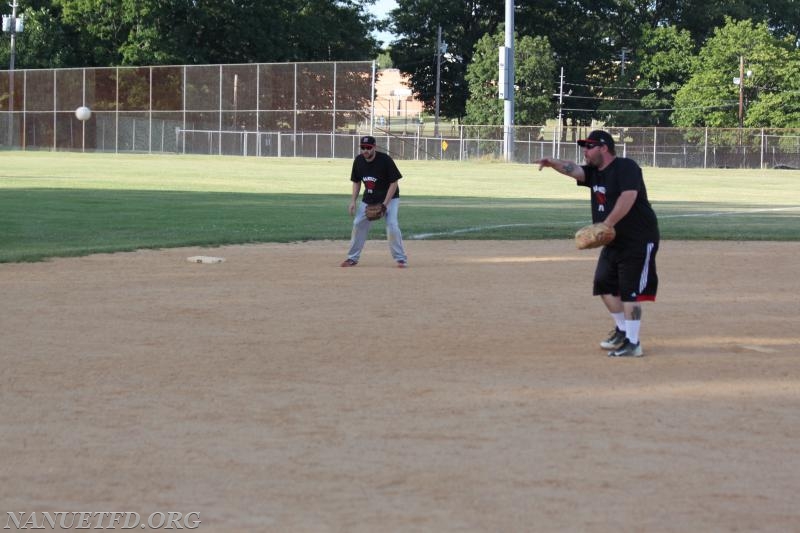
(294, 124)
(55, 114)
(529, 146)
(116, 111)
(762, 148)
(183, 111)
(705, 150)
(219, 110)
(655, 145)
(461, 142)
(416, 144)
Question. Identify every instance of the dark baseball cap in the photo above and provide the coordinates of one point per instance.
(597, 137)
(367, 140)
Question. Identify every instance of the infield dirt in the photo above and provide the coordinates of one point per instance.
(279, 392)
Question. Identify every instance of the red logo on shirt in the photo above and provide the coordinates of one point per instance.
(600, 197)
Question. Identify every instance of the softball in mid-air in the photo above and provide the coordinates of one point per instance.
(83, 113)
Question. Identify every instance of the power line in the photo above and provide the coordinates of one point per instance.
(616, 88)
(600, 111)
(605, 99)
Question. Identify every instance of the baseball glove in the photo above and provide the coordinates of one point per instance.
(375, 211)
(594, 236)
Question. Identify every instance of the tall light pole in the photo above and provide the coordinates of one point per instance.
(507, 83)
(12, 25)
(623, 57)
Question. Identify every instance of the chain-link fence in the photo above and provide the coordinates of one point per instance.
(658, 147)
(147, 109)
(312, 110)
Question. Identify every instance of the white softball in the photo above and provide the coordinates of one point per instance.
(83, 113)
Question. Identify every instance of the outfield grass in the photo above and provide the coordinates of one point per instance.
(65, 204)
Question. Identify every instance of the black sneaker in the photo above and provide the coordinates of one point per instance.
(627, 350)
(615, 340)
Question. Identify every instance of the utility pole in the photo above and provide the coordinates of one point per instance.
(557, 136)
(438, 77)
(741, 91)
(740, 82)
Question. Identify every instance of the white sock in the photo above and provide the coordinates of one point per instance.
(632, 330)
(619, 318)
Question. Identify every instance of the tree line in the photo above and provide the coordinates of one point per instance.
(101, 33)
(742, 75)
(625, 62)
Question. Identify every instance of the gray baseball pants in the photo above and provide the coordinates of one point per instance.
(361, 225)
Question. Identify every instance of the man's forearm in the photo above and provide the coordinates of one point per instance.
(568, 168)
(565, 167)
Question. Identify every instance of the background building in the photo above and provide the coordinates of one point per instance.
(395, 106)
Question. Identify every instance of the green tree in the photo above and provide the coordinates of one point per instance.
(463, 23)
(155, 32)
(534, 72)
(701, 17)
(329, 30)
(784, 19)
(710, 97)
(588, 37)
(776, 103)
(384, 60)
(45, 42)
(667, 61)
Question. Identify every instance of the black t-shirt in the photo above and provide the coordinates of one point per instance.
(640, 225)
(376, 175)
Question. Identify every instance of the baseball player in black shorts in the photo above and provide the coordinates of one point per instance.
(626, 269)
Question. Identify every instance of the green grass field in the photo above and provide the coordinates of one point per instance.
(68, 204)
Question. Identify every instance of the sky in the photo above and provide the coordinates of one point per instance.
(381, 9)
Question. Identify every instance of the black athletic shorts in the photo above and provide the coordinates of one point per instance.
(628, 272)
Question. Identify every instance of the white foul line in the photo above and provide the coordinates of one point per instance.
(421, 236)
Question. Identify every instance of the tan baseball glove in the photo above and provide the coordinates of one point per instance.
(594, 236)
(375, 211)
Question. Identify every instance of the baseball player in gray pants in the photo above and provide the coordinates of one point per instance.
(379, 174)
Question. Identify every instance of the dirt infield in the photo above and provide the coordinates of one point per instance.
(278, 392)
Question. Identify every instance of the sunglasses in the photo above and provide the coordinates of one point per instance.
(367, 147)
(588, 146)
